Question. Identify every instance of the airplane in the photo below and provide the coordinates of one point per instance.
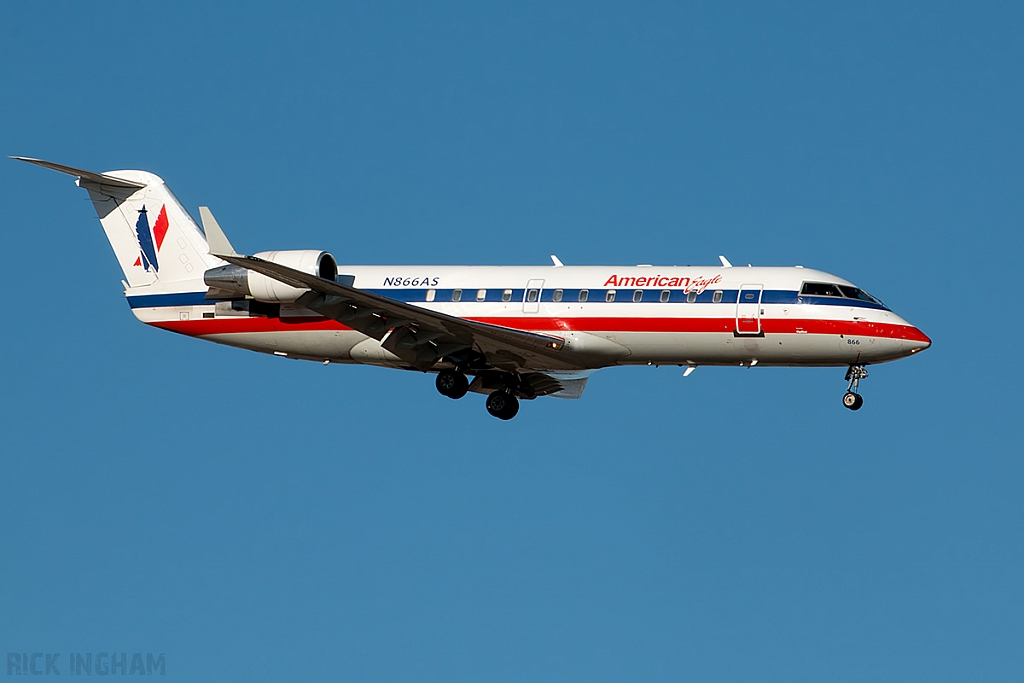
(510, 332)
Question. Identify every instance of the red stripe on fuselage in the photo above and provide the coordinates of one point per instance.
(240, 325)
(856, 328)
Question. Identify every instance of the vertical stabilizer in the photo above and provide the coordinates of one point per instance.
(152, 235)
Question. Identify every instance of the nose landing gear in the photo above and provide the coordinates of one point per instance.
(854, 375)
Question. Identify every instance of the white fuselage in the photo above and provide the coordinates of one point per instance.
(519, 331)
(606, 315)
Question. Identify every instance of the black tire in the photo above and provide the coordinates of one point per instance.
(511, 408)
(853, 401)
(502, 405)
(452, 384)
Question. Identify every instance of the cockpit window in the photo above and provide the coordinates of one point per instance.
(845, 291)
(856, 293)
(820, 289)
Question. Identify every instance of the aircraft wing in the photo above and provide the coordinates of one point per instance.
(419, 336)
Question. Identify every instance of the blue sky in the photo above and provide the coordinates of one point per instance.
(256, 518)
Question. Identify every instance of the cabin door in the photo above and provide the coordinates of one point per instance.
(748, 310)
(531, 296)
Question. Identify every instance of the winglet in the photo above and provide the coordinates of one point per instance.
(725, 261)
(554, 259)
(215, 237)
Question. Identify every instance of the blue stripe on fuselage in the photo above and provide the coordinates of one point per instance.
(178, 299)
(729, 296)
(769, 296)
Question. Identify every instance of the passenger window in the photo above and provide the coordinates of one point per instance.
(531, 295)
(506, 295)
(431, 293)
(665, 295)
(456, 295)
(749, 296)
(609, 295)
(481, 294)
(638, 296)
(819, 289)
(583, 295)
(556, 295)
(691, 297)
(717, 298)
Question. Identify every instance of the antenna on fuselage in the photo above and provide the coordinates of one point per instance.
(725, 261)
(554, 259)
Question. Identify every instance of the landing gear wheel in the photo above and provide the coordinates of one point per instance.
(854, 375)
(502, 405)
(853, 401)
(452, 384)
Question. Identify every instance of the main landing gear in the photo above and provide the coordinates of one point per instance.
(452, 383)
(502, 403)
(854, 375)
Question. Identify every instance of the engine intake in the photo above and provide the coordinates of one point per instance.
(232, 280)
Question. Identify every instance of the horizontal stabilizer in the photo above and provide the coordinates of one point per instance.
(98, 178)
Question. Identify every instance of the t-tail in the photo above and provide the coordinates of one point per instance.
(154, 238)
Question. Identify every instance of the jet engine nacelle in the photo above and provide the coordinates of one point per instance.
(238, 281)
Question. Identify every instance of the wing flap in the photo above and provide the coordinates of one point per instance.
(534, 384)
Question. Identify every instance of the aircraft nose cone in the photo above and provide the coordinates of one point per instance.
(916, 341)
